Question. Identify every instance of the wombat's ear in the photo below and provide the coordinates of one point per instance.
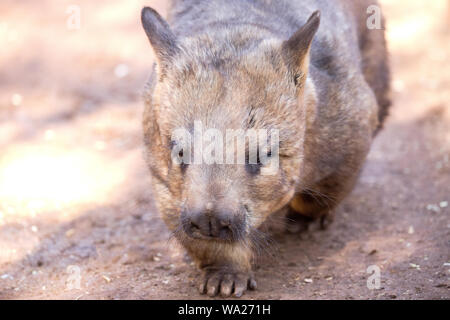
(296, 49)
(158, 31)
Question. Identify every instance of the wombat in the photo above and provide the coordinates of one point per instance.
(310, 69)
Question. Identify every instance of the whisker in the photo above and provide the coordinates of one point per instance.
(261, 242)
(319, 197)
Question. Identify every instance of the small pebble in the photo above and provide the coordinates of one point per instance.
(70, 233)
(411, 230)
(308, 280)
(433, 207)
(443, 204)
(415, 266)
(106, 278)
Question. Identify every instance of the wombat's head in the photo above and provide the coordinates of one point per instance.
(210, 99)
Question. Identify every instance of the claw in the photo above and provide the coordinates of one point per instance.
(325, 221)
(226, 283)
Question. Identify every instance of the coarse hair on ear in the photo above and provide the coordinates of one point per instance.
(160, 35)
(295, 50)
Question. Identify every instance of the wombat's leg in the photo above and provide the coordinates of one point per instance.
(319, 202)
(226, 267)
(326, 220)
(296, 222)
(306, 208)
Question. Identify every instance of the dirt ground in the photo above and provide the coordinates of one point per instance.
(77, 219)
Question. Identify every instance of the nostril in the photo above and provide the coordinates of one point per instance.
(225, 230)
(194, 226)
(225, 226)
(225, 223)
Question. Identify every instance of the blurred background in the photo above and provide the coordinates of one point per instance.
(76, 216)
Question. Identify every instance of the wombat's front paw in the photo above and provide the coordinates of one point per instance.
(296, 222)
(326, 220)
(226, 282)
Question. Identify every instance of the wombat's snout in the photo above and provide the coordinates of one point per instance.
(214, 225)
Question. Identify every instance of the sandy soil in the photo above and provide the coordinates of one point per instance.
(76, 214)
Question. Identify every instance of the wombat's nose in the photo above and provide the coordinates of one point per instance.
(211, 224)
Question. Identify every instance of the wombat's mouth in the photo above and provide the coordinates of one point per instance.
(199, 236)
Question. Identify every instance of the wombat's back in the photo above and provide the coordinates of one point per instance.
(342, 46)
(375, 58)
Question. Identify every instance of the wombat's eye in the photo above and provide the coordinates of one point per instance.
(177, 155)
(255, 168)
(296, 79)
(183, 165)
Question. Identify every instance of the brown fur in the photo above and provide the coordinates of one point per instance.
(239, 71)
